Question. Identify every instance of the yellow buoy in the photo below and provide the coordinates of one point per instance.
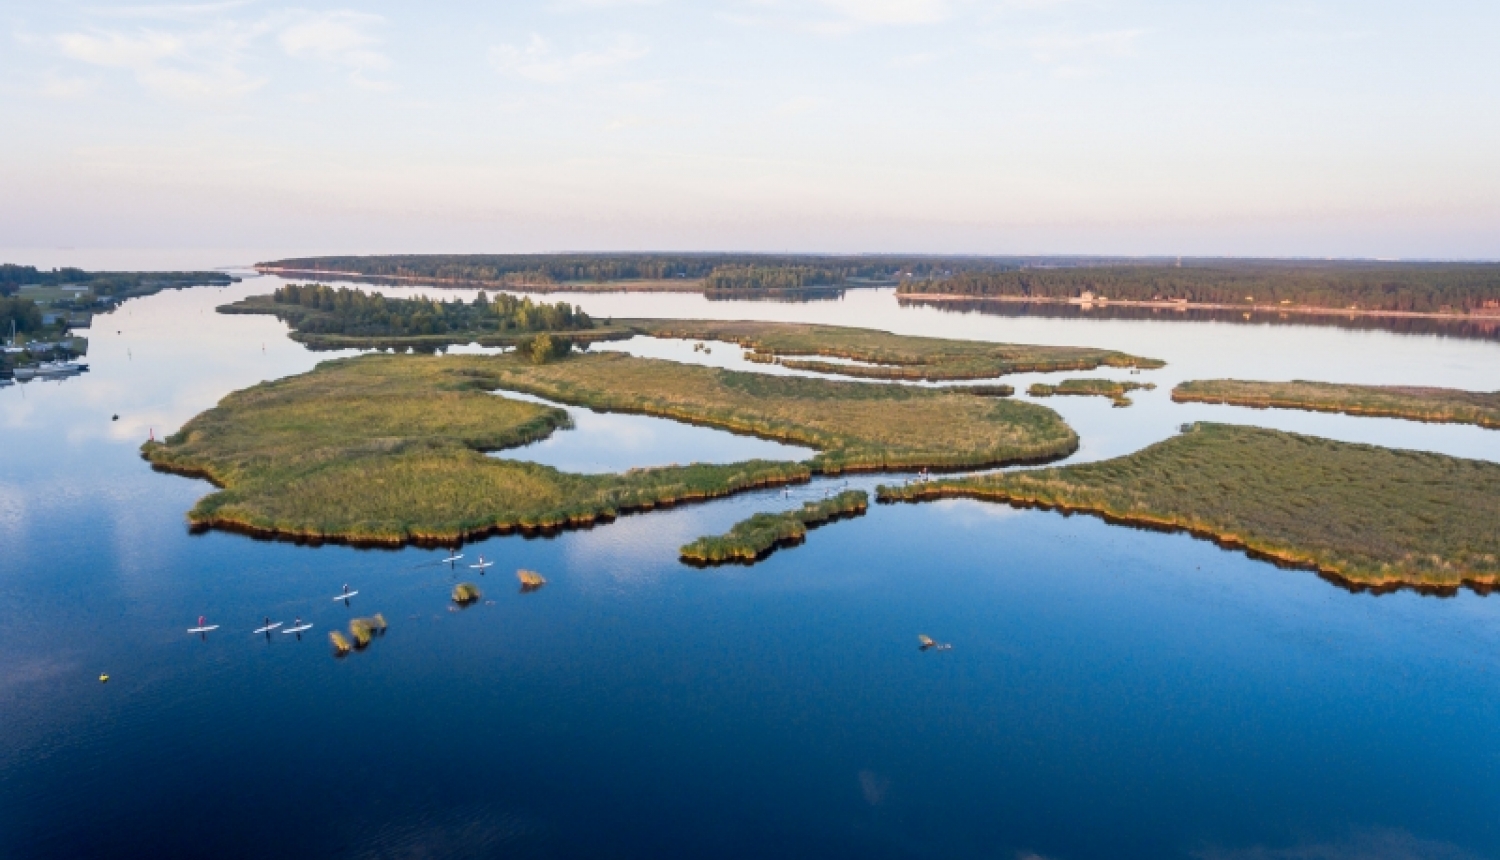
(103, 679)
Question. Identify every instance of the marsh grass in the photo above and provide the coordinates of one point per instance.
(1364, 514)
(388, 449)
(465, 593)
(1447, 405)
(753, 539)
(854, 425)
(383, 449)
(887, 356)
(1113, 389)
(340, 644)
(530, 580)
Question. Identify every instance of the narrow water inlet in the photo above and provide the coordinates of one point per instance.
(606, 442)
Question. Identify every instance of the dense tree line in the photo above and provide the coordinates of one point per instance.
(771, 277)
(23, 312)
(106, 284)
(552, 268)
(355, 312)
(1421, 287)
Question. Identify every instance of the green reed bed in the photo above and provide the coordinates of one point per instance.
(386, 449)
(854, 425)
(466, 593)
(1386, 401)
(887, 356)
(755, 538)
(1110, 388)
(1362, 513)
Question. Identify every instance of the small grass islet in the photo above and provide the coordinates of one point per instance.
(466, 593)
(1113, 389)
(364, 630)
(1360, 514)
(1441, 405)
(753, 539)
(530, 580)
(885, 355)
(389, 449)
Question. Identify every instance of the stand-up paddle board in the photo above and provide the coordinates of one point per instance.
(346, 595)
(268, 628)
(482, 565)
(297, 629)
(452, 558)
(203, 629)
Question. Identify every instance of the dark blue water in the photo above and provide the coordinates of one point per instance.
(1110, 693)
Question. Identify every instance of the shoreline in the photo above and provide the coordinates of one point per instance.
(1309, 310)
(1280, 558)
(636, 286)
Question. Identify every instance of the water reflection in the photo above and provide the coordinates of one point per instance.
(606, 442)
(639, 708)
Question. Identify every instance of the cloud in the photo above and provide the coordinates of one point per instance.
(540, 61)
(340, 37)
(892, 11)
(1063, 47)
(201, 64)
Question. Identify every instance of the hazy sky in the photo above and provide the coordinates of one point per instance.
(1363, 128)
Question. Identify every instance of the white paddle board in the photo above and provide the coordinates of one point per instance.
(297, 629)
(452, 558)
(346, 595)
(268, 628)
(203, 629)
(482, 566)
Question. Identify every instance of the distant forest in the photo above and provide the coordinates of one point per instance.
(105, 284)
(321, 309)
(1420, 287)
(772, 277)
(519, 269)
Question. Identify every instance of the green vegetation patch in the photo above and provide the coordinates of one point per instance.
(1388, 401)
(1366, 514)
(854, 425)
(756, 537)
(1110, 388)
(327, 318)
(117, 285)
(886, 355)
(737, 278)
(389, 449)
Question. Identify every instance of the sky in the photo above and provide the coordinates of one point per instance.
(1337, 129)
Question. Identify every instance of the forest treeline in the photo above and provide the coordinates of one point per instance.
(22, 313)
(355, 312)
(1418, 287)
(105, 284)
(520, 269)
(772, 277)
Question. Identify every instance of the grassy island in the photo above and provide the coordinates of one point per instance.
(856, 426)
(886, 355)
(386, 449)
(757, 537)
(1386, 401)
(1110, 388)
(1363, 514)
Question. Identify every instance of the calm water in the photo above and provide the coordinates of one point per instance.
(1111, 692)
